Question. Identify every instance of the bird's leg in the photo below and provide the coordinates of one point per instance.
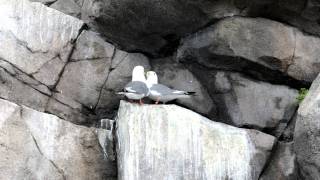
(157, 101)
(140, 102)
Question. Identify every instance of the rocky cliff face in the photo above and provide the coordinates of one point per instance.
(61, 62)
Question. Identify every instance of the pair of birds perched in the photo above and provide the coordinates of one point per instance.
(141, 87)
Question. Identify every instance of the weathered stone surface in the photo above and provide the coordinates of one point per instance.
(19, 75)
(67, 7)
(161, 23)
(119, 76)
(32, 32)
(19, 92)
(239, 43)
(170, 142)
(282, 164)
(36, 145)
(44, 1)
(176, 76)
(84, 77)
(244, 102)
(74, 114)
(306, 134)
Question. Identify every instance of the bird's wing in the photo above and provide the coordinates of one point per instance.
(138, 87)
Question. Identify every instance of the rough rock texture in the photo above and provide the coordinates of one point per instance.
(282, 164)
(170, 142)
(154, 26)
(17, 91)
(36, 145)
(47, 42)
(57, 67)
(120, 74)
(245, 102)
(178, 77)
(68, 7)
(241, 43)
(306, 135)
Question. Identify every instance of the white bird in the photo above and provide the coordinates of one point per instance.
(136, 89)
(162, 93)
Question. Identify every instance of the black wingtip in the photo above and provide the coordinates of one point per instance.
(191, 93)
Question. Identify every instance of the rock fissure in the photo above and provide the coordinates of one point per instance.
(52, 162)
(43, 93)
(107, 77)
(21, 71)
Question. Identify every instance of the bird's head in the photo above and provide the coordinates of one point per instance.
(138, 74)
(152, 77)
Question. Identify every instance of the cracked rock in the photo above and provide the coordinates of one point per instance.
(35, 145)
(176, 76)
(245, 102)
(243, 43)
(282, 164)
(32, 32)
(21, 93)
(122, 65)
(306, 134)
(170, 142)
(88, 70)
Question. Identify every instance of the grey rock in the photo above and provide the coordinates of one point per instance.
(73, 114)
(159, 24)
(288, 133)
(49, 49)
(36, 145)
(162, 24)
(282, 164)
(306, 134)
(170, 142)
(67, 7)
(19, 75)
(44, 1)
(240, 43)
(122, 65)
(176, 76)
(106, 138)
(302, 14)
(17, 91)
(245, 102)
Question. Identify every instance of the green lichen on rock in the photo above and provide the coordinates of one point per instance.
(302, 94)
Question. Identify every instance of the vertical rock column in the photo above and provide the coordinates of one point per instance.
(170, 142)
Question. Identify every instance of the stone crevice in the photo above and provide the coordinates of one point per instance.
(107, 77)
(24, 82)
(21, 71)
(52, 162)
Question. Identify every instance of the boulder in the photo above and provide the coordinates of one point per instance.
(152, 26)
(176, 76)
(306, 134)
(256, 46)
(19, 92)
(36, 34)
(68, 7)
(95, 72)
(120, 74)
(88, 68)
(170, 142)
(244, 102)
(282, 164)
(36, 145)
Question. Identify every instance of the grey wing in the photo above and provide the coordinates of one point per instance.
(137, 87)
(162, 89)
